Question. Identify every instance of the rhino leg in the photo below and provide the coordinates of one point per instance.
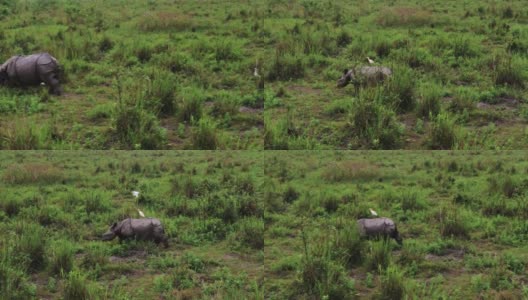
(52, 80)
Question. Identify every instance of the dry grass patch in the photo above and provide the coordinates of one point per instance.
(32, 173)
(401, 16)
(350, 170)
(162, 20)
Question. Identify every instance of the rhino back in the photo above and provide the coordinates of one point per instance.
(374, 71)
(146, 228)
(377, 226)
(25, 69)
(30, 69)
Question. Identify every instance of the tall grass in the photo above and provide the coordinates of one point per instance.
(510, 73)
(320, 276)
(31, 245)
(443, 133)
(60, 258)
(428, 106)
(348, 244)
(392, 284)
(14, 282)
(401, 90)
(373, 124)
(77, 287)
(205, 136)
(379, 255)
(25, 135)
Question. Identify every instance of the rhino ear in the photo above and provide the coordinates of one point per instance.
(113, 226)
(345, 71)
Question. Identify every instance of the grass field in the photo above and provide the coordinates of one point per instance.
(56, 205)
(459, 75)
(157, 74)
(462, 216)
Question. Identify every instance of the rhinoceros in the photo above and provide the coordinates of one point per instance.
(148, 229)
(379, 227)
(32, 70)
(363, 75)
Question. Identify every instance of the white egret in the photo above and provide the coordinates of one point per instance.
(372, 212)
(135, 194)
(370, 60)
(140, 213)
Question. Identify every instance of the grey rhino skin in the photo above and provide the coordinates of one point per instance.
(32, 70)
(363, 75)
(379, 227)
(148, 229)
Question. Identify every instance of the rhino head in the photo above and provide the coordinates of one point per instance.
(111, 233)
(344, 80)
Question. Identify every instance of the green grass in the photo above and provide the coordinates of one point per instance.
(61, 202)
(434, 49)
(461, 216)
(144, 53)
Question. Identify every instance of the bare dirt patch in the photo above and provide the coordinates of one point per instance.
(304, 90)
(450, 254)
(250, 110)
(133, 256)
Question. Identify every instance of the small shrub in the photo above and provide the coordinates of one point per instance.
(462, 101)
(190, 108)
(15, 283)
(443, 134)
(410, 201)
(348, 245)
(275, 134)
(11, 206)
(61, 258)
(205, 136)
(452, 224)
(162, 94)
(31, 244)
(95, 256)
(138, 129)
(225, 50)
(94, 203)
(251, 233)
(290, 195)
(374, 124)
(429, 102)
(76, 287)
(509, 74)
(379, 255)
(100, 112)
(161, 284)
(105, 44)
(286, 67)
(463, 48)
(322, 277)
(392, 284)
(343, 38)
(504, 185)
(400, 90)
